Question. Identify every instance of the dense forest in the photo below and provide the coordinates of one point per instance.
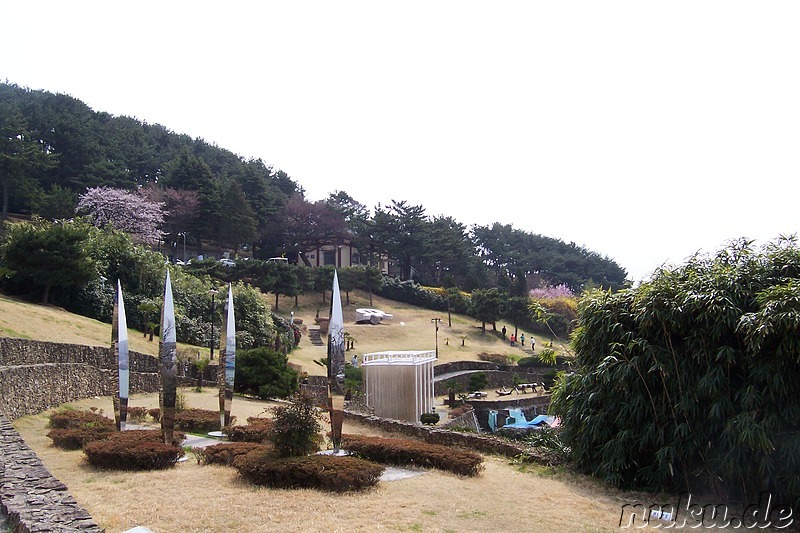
(59, 158)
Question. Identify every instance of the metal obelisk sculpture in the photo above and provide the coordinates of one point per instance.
(227, 360)
(120, 340)
(168, 357)
(336, 348)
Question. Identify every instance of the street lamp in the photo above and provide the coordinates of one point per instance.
(183, 233)
(436, 321)
(213, 292)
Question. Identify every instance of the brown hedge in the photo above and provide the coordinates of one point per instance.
(257, 430)
(73, 429)
(198, 420)
(137, 414)
(322, 472)
(408, 452)
(225, 452)
(71, 418)
(132, 450)
(77, 438)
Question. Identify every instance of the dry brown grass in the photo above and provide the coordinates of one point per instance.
(410, 329)
(24, 320)
(192, 498)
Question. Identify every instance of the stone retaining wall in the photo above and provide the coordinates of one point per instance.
(473, 441)
(36, 376)
(30, 497)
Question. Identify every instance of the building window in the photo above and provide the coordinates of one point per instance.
(329, 257)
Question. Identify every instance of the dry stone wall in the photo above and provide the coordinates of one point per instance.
(31, 499)
(36, 376)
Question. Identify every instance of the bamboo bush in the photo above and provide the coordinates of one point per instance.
(691, 381)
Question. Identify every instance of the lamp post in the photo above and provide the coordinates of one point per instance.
(436, 321)
(183, 233)
(213, 292)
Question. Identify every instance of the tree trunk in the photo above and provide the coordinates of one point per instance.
(46, 294)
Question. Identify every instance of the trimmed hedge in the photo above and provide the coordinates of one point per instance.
(132, 450)
(408, 452)
(77, 438)
(225, 452)
(257, 430)
(198, 420)
(71, 418)
(74, 429)
(323, 472)
(137, 414)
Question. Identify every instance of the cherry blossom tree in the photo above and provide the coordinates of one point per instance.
(127, 211)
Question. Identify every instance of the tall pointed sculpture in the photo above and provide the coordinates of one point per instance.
(336, 349)
(168, 357)
(227, 363)
(119, 337)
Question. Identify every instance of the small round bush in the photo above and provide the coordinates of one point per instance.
(198, 420)
(429, 419)
(322, 472)
(225, 452)
(72, 418)
(77, 438)
(126, 450)
(137, 414)
(258, 430)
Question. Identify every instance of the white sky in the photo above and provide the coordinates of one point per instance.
(645, 131)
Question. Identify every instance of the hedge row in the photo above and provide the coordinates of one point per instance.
(225, 452)
(133, 450)
(198, 420)
(408, 452)
(323, 472)
(256, 430)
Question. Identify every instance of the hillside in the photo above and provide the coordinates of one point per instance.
(410, 329)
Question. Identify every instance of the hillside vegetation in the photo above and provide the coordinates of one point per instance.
(410, 329)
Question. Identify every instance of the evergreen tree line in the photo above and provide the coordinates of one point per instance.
(54, 148)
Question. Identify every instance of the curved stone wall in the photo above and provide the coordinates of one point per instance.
(36, 376)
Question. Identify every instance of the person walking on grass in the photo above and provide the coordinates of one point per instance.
(522, 340)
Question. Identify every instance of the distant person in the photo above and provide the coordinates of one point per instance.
(354, 361)
(503, 331)
(533, 344)
(522, 340)
(513, 340)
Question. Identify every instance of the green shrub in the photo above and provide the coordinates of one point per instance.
(264, 372)
(296, 427)
(478, 381)
(527, 362)
(407, 452)
(258, 430)
(225, 452)
(198, 420)
(323, 472)
(429, 418)
(132, 450)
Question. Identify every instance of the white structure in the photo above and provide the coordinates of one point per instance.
(399, 385)
(372, 315)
